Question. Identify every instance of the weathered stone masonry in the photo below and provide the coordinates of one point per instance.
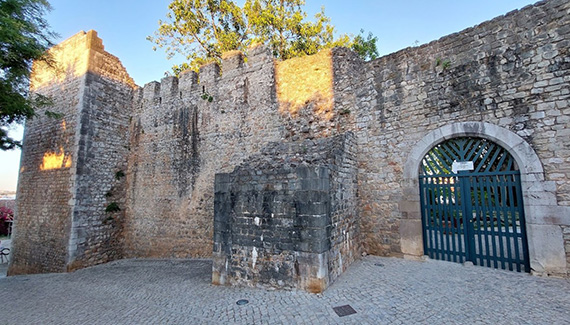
(179, 141)
(68, 167)
(287, 217)
(505, 80)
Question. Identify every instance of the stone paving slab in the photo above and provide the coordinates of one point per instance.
(381, 290)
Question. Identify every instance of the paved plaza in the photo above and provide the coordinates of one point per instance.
(380, 290)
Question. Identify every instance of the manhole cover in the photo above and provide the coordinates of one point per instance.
(242, 302)
(344, 310)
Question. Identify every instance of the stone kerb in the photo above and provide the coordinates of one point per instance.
(544, 217)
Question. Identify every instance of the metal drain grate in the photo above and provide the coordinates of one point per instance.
(345, 310)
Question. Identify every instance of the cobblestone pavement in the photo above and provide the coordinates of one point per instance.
(381, 290)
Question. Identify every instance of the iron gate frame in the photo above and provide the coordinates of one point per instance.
(456, 229)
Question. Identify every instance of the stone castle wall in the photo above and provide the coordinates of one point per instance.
(180, 140)
(511, 72)
(10, 204)
(505, 80)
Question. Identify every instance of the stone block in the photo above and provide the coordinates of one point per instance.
(547, 214)
(411, 238)
(169, 87)
(313, 271)
(259, 54)
(221, 182)
(187, 81)
(539, 198)
(209, 73)
(409, 206)
(546, 248)
(232, 61)
(151, 91)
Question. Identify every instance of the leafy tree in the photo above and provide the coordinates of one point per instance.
(24, 37)
(281, 25)
(365, 47)
(201, 30)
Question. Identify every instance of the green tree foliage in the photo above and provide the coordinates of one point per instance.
(201, 30)
(365, 47)
(282, 25)
(24, 37)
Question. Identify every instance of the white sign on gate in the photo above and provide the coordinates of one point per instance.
(461, 165)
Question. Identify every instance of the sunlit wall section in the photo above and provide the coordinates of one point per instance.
(48, 227)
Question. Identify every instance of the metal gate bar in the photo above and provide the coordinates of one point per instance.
(487, 203)
(444, 226)
(522, 222)
(475, 217)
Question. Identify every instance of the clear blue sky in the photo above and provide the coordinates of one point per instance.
(124, 25)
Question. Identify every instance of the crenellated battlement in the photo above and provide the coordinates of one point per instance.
(188, 81)
(83, 52)
(209, 74)
(191, 85)
(151, 91)
(232, 63)
(169, 87)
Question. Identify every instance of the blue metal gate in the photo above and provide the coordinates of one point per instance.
(472, 205)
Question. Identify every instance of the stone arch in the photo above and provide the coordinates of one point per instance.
(528, 162)
(545, 239)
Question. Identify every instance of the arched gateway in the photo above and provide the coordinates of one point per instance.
(472, 205)
(535, 201)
